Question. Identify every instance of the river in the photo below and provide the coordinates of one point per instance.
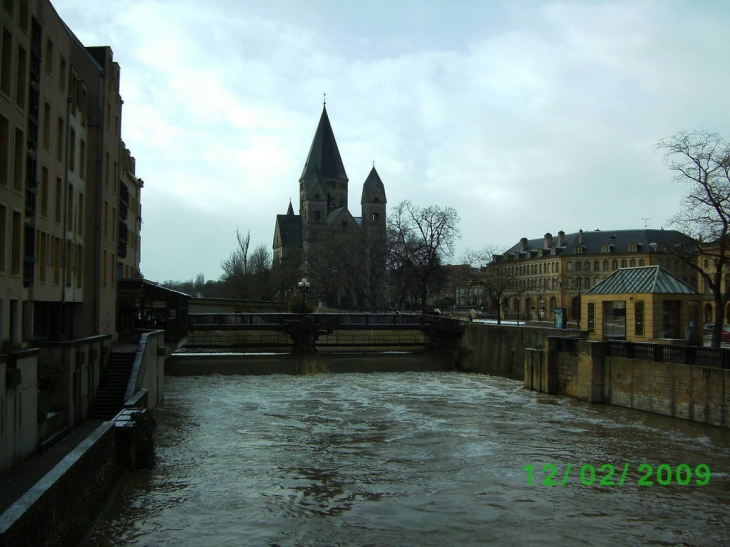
(415, 459)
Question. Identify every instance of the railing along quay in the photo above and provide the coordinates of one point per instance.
(683, 355)
(321, 322)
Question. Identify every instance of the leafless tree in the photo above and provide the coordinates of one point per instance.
(420, 242)
(235, 267)
(351, 264)
(496, 280)
(702, 161)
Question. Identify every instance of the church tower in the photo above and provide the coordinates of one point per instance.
(323, 176)
(373, 204)
(342, 255)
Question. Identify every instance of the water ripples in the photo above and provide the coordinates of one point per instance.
(409, 459)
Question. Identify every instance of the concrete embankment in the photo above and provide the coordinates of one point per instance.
(200, 364)
(60, 506)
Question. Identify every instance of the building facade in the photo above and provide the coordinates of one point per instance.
(341, 255)
(69, 196)
(642, 304)
(539, 275)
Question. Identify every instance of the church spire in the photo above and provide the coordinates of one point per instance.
(324, 156)
(290, 210)
(373, 190)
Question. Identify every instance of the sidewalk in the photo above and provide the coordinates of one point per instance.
(20, 479)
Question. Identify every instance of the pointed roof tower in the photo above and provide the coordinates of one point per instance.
(290, 210)
(373, 189)
(324, 157)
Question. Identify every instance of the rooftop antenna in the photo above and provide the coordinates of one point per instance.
(646, 222)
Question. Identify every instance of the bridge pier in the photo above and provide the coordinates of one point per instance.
(314, 363)
(304, 341)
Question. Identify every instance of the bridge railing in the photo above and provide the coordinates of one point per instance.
(321, 321)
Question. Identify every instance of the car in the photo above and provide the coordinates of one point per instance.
(725, 333)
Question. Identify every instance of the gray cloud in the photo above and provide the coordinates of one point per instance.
(526, 117)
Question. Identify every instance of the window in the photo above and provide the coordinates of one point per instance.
(19, 160)
(43, 190)
(21, 86)
(79, 265)
(70, 208)
(56, 260)
(605, 265)
(7, 62)
(82, 159)
(59, 139)
(49, 57)
(4, 150)
(16, 241)
(641, 262)
(614, 320)
(639, 318)
(623, 263)
(3, 236)
(62, 72)
(72, 151)
(591, 317)
(47, 126)
(44, 256)
(105, 219)
(80, 209)
(59, 198)
(614, 265)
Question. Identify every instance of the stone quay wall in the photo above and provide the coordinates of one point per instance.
(690, 392)
(65, 501)
(499, 350)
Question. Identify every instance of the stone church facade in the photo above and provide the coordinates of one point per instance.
(341, 255)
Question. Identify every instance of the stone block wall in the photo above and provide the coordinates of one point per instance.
(690, 392)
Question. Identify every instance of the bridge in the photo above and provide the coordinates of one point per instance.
(305, 328)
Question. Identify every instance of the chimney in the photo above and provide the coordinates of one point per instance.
(548, 240)
(523, 244)
(580, 237)
(561, 238)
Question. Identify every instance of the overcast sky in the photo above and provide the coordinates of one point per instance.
(526, 117)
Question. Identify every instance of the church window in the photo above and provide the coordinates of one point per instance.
(376, 216)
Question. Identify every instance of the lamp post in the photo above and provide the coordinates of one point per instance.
(304, 286)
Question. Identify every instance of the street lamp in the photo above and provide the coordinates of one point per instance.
(304, 286)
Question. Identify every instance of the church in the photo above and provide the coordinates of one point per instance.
(341, 255)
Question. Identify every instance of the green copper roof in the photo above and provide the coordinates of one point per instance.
(643, 280)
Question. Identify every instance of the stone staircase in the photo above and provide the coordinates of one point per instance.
(110, 398)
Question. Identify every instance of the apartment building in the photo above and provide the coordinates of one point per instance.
(536, 276)
(70, 213)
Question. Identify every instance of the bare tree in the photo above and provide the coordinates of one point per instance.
(235, 267)
(702, 161)
(497, 281)
(259, 274)
(420, 241)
